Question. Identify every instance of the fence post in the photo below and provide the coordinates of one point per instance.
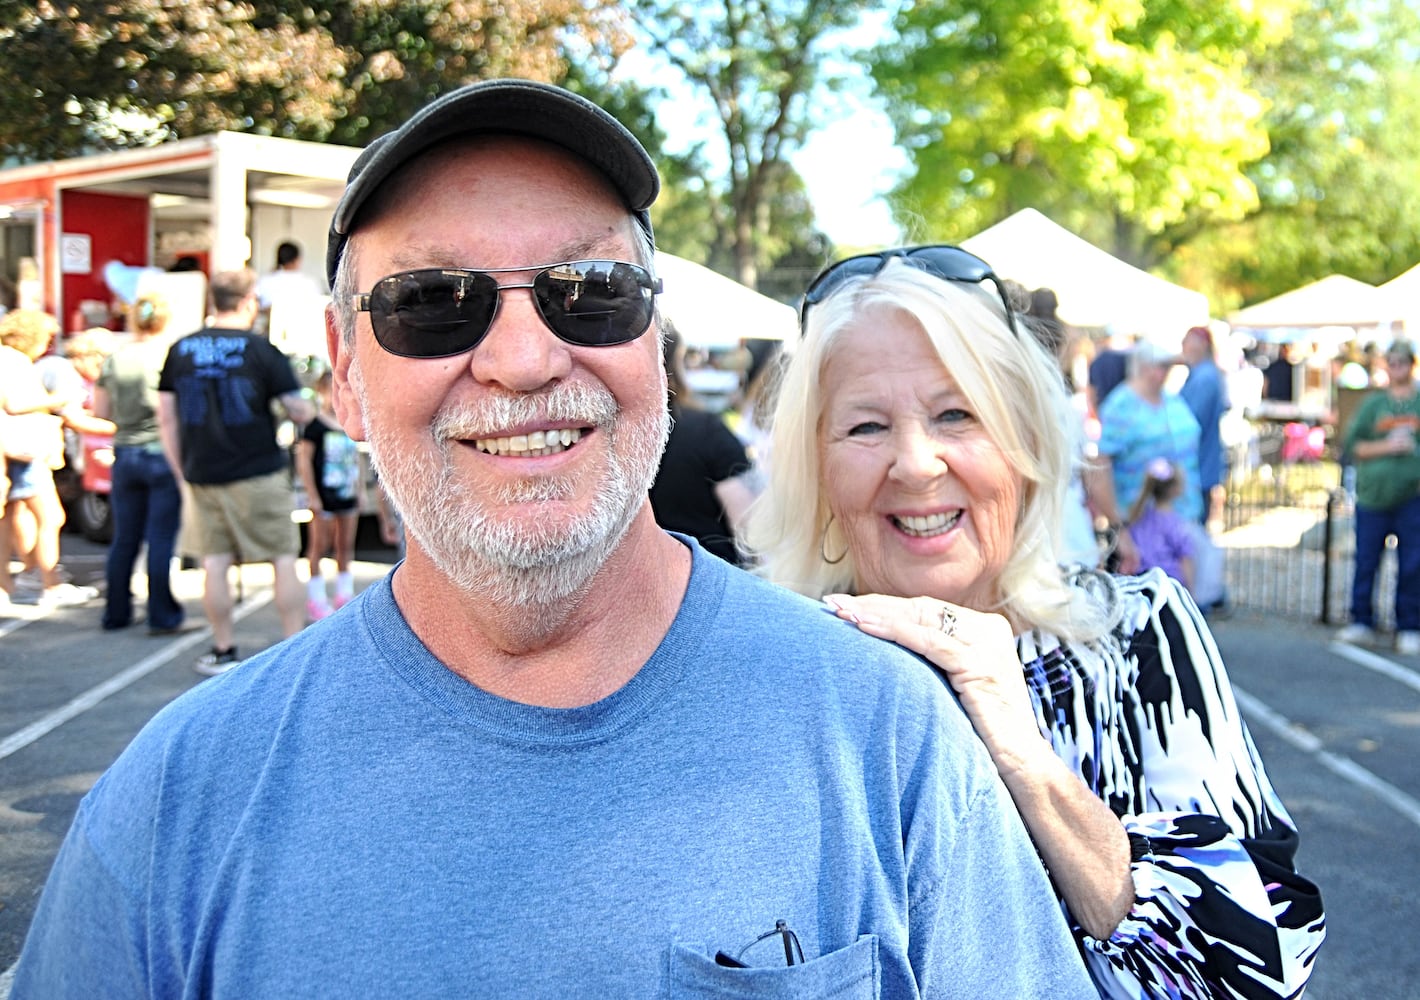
(1328, 531)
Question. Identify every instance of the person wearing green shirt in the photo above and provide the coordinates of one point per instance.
(1381, 442)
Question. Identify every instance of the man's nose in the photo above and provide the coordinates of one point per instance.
(519, 353)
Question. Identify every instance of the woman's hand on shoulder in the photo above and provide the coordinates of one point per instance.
(975, 651)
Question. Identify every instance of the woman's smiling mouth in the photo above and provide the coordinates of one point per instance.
(926, 526)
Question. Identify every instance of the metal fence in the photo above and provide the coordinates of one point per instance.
(1288, 537)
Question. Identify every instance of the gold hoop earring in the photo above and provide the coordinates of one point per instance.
(823, 545)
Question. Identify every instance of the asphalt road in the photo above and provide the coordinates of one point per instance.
(1338, 727)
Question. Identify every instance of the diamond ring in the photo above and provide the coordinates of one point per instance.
(949, 622)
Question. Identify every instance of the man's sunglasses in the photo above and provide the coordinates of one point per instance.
(439, 312)
(946, 262)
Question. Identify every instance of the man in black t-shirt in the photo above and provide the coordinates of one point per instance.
(219, 434)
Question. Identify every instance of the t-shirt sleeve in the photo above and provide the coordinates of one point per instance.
(724, 453)
(1362, 425)
(167, 379)
(1113, 424)
(971, 930)
(88, 935)
(281, 377)
(313, 431)
(1181, 539)
(978, 895)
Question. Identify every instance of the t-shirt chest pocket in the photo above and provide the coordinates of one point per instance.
(847, 974)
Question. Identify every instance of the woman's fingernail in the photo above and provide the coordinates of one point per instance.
(835, 601)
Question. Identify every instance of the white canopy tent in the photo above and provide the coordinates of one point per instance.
(713, 311)
(1402, 297)
(1334, 301)
(1095, 288)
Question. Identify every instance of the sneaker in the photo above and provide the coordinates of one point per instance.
(27, 590)
(67, 595)
(1357, 634)
(316, 610)
(340, 600)
(216, 661)
(32, 579)
(1407, 643)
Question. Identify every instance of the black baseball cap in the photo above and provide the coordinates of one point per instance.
(510, 107)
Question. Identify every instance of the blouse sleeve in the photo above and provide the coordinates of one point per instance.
(1219, 909)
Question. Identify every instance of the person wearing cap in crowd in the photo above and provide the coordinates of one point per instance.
(1380, 442)
(1139, 422)
(558, 751)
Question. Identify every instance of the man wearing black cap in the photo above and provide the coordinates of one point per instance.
(558, 752)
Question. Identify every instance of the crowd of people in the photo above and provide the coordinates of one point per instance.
(556, 724)
(195, 449)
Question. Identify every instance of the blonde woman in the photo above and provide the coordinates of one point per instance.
(921, 462)
(34, 448)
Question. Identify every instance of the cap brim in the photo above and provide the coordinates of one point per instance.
(509, 107)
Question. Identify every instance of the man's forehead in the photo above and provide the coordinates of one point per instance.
(484, 163)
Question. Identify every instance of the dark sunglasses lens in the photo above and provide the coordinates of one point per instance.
(432, 313)
(853, 267)
(951, 263)
(595, 303)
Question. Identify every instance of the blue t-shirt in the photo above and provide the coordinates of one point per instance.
(344, 816)
(1134, 432)
(1207, 398)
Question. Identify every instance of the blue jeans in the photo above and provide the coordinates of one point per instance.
(147, 506)
(1372, 527)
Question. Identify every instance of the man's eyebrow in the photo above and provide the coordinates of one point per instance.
(414, 257)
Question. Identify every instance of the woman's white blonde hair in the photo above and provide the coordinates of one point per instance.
(1013, 387)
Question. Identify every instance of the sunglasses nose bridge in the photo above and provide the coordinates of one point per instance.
(519, 351)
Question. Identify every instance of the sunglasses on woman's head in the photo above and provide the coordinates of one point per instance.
(440, 312)
(939, 260)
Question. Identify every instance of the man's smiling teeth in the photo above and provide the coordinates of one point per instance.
(932, 524)
(535, 444)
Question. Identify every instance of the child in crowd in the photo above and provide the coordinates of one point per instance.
(1162, 536)
(329, 465)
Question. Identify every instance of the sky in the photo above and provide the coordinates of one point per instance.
(847, 167)
(848, 163)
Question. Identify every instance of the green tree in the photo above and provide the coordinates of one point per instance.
(85, 75)
(1121, 120)
(759, 62)
(1339, 191)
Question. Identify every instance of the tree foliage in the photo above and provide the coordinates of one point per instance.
(1339, 191)
(1243, 148)
(759, 62)
(87, 75)
(1116, 117)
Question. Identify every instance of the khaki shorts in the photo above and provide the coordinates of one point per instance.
(249, 519)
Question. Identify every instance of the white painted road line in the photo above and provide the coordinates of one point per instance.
(1380, 664)
(81, 704)
(1259, 714)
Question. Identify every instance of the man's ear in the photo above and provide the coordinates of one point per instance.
(347, 404)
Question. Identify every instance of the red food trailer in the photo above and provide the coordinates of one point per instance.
(226, 199)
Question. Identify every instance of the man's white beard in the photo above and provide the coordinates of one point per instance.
(520, 562)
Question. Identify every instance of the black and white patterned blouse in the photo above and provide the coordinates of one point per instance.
(1147, 718)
